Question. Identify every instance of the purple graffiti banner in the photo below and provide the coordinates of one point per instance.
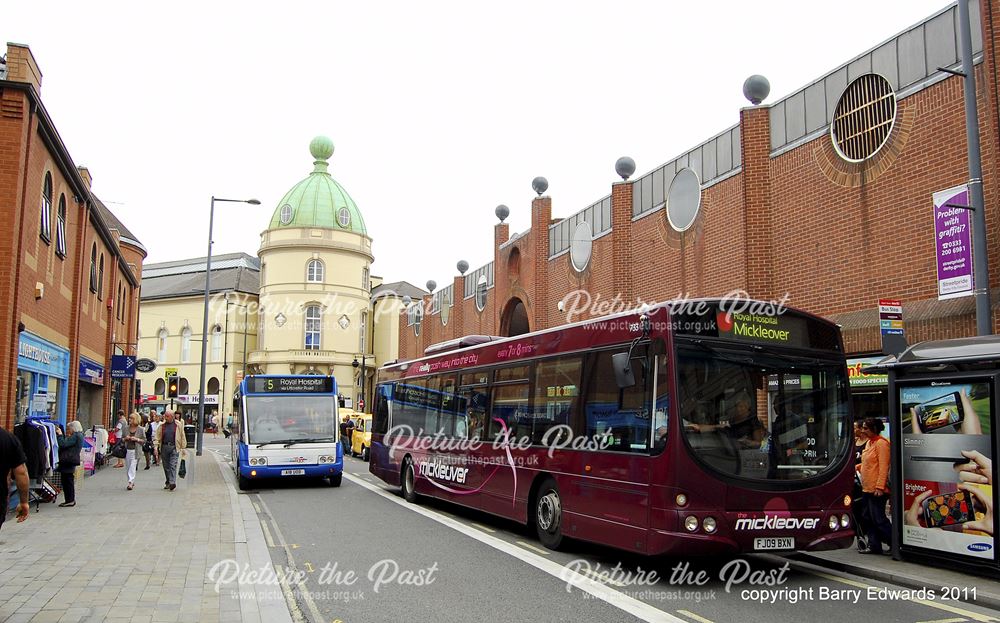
(953, 243)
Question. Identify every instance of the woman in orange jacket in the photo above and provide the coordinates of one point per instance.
(875, 485)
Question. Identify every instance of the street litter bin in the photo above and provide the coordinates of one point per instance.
(190, 431)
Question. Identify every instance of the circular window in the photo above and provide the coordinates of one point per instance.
(864, 118)
(481, 293)
(344, 217)
(683, 199)
(286, 214)
(581, 246)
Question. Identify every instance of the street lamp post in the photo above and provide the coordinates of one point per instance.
(355, 365)
(204, 327)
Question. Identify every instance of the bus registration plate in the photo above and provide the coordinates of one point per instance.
(774, 542)
(293, 472)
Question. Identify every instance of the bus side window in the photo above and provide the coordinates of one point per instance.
(380, 421)
(616, 418)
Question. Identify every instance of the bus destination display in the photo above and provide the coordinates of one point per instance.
(291, 384)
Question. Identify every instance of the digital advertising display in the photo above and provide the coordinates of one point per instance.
(947, 466)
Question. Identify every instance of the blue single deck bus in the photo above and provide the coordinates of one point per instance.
(286, 426)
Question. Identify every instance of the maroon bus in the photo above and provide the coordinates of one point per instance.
(706, 426)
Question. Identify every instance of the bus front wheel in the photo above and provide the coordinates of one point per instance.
(548, 515)
(244, 483)
(409, 481)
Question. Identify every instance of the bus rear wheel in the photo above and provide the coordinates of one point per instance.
(548, 515)
(336, 479)
(409, 482)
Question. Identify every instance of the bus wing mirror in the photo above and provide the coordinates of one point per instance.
(624, 377)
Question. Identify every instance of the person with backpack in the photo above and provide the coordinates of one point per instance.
(875, 485)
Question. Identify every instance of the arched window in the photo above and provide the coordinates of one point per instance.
(481, 288)
(185, 344)
(45, 222)
(61, 228)
(363, 331)
(314, 271)
(365, 279)
(213, 386)
(314, 327)
(161, 345)
(93, 268)
(160, 388)
(100, 279)
(216, 345)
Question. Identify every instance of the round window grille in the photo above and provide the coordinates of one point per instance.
(286, 214)
(864, 118)
(344, 217)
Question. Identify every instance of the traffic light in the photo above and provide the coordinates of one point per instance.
(172, 387)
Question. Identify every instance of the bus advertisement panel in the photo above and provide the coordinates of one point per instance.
(286, 426)
(681, 429)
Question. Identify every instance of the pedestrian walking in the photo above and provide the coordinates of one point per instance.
(147, 444)
(70, 446)
(875, 485)
(170, 441)
(135, 437)
(153, 425)
(13, 467)
(120, 433)
(346, 431)
(215, 424)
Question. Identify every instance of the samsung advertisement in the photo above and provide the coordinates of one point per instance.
(947, 466)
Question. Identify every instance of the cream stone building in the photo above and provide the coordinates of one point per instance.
(171, 305)
(312, 305)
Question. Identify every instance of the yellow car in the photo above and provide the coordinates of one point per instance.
(361, 440)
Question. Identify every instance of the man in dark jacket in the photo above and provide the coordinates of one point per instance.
(12, 464)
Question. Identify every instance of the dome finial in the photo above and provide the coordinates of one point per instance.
(321, 149)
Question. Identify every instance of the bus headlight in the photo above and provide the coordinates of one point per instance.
(845, 520)
(691, 523)
(709, 524)
(681, 499)
(834, 522)
(258, 460)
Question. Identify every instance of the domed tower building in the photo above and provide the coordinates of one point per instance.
(315, 281)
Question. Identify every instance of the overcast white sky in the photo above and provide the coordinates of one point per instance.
(439, 110)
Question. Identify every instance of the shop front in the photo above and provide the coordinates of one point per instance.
(42, 378)
(944, 411)
(90, 403)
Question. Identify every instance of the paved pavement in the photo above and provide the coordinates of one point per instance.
(142, 556)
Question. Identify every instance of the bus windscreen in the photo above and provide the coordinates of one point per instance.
(274, 419)
(761, 417)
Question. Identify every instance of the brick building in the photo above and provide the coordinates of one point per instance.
(824, 195)
(69, 278)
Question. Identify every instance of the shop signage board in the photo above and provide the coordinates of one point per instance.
(145, 365)
(169, 372)
(857, 377)
(953, 242)
(122, 366)
(87, 454)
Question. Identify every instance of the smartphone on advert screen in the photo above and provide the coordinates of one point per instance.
(941, 411)
(950, 509)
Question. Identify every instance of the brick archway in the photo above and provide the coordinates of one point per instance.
(514, 319)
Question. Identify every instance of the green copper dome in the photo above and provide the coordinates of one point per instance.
(318, 200)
